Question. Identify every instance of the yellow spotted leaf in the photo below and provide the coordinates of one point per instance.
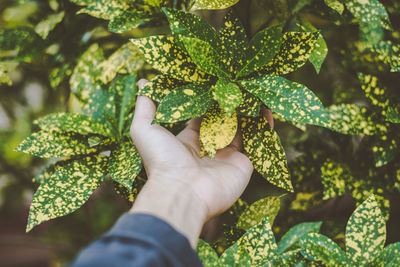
(228, 95)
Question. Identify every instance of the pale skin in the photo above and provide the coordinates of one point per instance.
(184, 189)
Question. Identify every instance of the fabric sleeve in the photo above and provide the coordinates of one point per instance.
(139, 240)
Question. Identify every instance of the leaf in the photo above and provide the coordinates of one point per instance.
(56, 144)
(48, 171)
(336, 178)
(262, 49)
(4, 74)
(259, 243)
(207, 254)
(104, 9)
(294, 52)
(67, 190)
(125, 164)
(369, 12)
(213, 4)
(126, 54)
(350, 119)
(365, 232)
(72, 122)
(388, 257)
(375, 91)
(217, 129)
(130, 196)
(165, 55)
(127, 20)
(83, 78)
(100, 105)
(233, 39)
(317, 247)
(207, 57)
(160, 86)
(385, 149)
(290, 239)
(185, 102)
(265, 151)
(254, 214)
(335, 5)
(293, 101)
(291, 258)
(231, 258)
(228, 95)
(190, 25)
(250, 106)
(44, 27)
(392, 115)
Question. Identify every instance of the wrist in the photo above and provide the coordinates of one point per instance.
(174, 203)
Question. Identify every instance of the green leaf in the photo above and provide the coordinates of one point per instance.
(290, 240)
(83, 78)
(232, 258)
(185, 102)
(262, 49)
(233, 39)
(369, 12)
(44, 27)
(293, 101)
(335, 5)
(259, 243)
(217, 130)
(294, 52)
(72, 122)
(165, 55)
(125, 164)
(228, 95)
(207, 254)
(336, 178)
(4, 74)
(350, 119)
(254, 214)
(190, 25)
(127, 20)
(291, 258)
(56, 144)
(385, 149)
(317, 247)
(48, 171)
(392, 115)
(130, 196)
(213, 4)
(67, 190)
(375, 91)
(126, 54)
(207, 57)
(365, 232)
(104, 9)
(100, 105)
(250, 106)
(160, 86)
(389, 256)
(265, 151)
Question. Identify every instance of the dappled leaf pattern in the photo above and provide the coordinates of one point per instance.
(213, 4)
(291, 238)
(228, 95)
(159, 87)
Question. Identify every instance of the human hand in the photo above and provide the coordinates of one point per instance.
(199, 186)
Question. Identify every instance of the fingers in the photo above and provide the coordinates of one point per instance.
(190, 135)
(267, 113)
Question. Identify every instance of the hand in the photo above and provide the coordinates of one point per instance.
(198, 188)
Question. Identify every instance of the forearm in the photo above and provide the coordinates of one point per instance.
(177, 206)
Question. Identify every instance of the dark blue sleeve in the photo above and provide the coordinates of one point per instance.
(139, 240)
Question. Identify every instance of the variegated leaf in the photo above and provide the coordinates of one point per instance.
(125, 164)
(50, 169)
(213, 4)
(293, 101)
(291, 258)
(185, 102)
(375, 91)
(254, 214)
(233, 40)
(207, 254)
(259, 243)
(389, 256)
(5, 74)
(100, 105)
(130, 196)
(294, 52)
(385, 149)
(165, 55)
(56, 144)
(217, 129)
(350, 119)
(250, 105)
(392, 115)
(291, 238)
(365, 232)
(104, 9)
(369, 12)
(126, 54)
(127, 20)
(336, 179)
(317, 247)
(72, 122)
(67, 190)
(44, 27)
(262, 49)
(265, 151)
(228, 95)
(207, 57)
(335, 5)
(160, 86)
(83, 78)
(232, 258)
